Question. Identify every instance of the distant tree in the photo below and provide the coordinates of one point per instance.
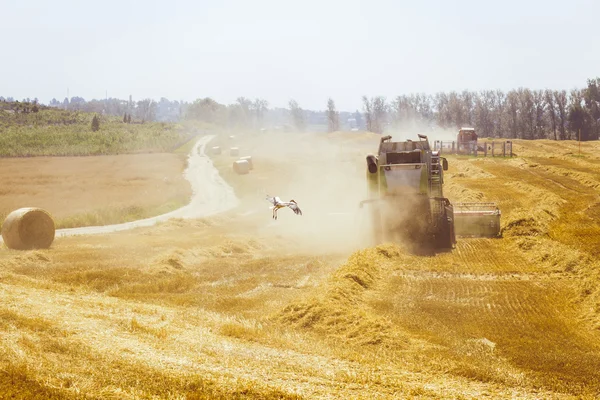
(125, 118)
(35, 108)
(359, 119)
(368, 111)
(333, 116)
(146, 110)
(482, 112)
(467, 100)
(128, 118)
(95, 123)
(244, 111)
(379, 113)
(297, 115)
(512, 114)
(562, 112)
(499, 116)
(236, 116)
(539, 108)
(591, 96)
(551, 104)
(456, 110)
(403, 110)
(579, 119)
(526, 113)
(260, 107)
(443, 117)
(77, 103)
(579, 122)
(375, 110)
(206, 110)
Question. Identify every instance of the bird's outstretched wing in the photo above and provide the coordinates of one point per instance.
(294, 207)
(272, 200)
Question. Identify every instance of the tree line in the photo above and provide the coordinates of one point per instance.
(521, 113)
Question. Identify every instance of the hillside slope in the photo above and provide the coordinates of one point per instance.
(57, 132)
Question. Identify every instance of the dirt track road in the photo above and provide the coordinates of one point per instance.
(210, 195)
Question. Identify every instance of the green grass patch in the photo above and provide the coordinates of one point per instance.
(56, 132)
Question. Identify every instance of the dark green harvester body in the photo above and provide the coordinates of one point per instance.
(406, 198)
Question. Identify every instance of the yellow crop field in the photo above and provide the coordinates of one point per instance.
(237, 305)
(95, 190)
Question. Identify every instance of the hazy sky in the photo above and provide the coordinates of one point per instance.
(308, 50)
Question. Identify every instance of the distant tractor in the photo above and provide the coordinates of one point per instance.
(466, 141)
(407, 202)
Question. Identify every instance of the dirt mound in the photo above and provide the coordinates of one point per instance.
(585, 178)
(461, 194)
(525, 226)
(337, 308)
(535, 218)
(168, 263)
(30, 263)
(467, 169)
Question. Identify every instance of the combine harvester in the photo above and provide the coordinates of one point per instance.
(407, 202)
(467, 143)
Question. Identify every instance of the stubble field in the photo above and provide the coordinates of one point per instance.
(239, 306)
(97, 190)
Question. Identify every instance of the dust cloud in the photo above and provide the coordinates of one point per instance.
(325, 175)
(411, 128)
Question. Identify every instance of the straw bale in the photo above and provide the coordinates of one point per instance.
(249, 159)
(28, 228)
(234, 151)
(216, 150)
(241, 167)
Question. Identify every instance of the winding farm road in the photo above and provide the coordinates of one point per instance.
(210, 195)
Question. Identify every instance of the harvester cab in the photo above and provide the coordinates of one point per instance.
(406, 198)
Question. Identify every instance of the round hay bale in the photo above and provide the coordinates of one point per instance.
(231, 137)
(249, 159)
(28, 228)
(234, 151)
(216, 150)
(241, 167)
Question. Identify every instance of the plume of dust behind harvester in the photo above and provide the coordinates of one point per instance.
(406, 198)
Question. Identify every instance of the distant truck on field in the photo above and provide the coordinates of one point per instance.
(467, 143)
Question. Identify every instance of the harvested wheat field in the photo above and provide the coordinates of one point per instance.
(94, 190)
(236, 305)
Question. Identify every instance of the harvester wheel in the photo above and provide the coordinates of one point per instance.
(445, 237)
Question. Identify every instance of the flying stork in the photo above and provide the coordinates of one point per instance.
(277, 204)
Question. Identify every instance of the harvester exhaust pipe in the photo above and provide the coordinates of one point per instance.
(383, 139)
